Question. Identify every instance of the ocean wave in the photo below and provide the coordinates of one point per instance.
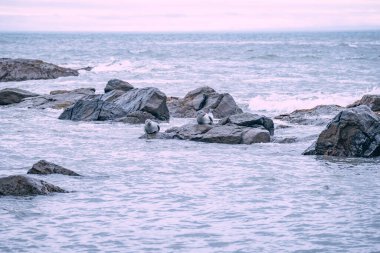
(286, 103)
(135, 67)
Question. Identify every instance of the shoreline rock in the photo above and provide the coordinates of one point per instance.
(13, 95)
(20, 185)
(30, 69)
(117, 104)
(227, 131)
(117, 84)
(318, 116)
(43, 167)
(203, 98)
(354, 132)
(372, 101)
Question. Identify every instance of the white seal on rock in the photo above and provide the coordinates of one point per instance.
(151, 127)
(204, 118)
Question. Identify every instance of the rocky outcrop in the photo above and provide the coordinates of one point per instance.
(203, 98)
(372, 101)
(117, 104)
(353, 132)
(27, 69)
(227, 131)
(23, 186)
(318, 116)
(58, 99)
(116, 84)
(249, 120)
(12, 95)
(43, 167)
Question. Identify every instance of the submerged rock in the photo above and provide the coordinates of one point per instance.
(353, 132)
(20, 185)
(57, 99)
(117, 104)
(13, 95)
(27, 69)
(318, 116)
(116, 84)
(372, 101)
(43, 167)
(203, 98)
(227, 132)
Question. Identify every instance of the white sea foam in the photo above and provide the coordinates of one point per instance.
(284, 103)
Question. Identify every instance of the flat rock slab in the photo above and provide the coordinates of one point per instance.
(43, 167)
(318, 116)
(57, 99)
(20, 185)
(13, 95)
(227, 131)
(353, 132)
(29, 69)
(203, 98)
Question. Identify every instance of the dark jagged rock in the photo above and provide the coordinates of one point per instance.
(227, 132)
(117, 104)
(116, 84)
(319, 115)
(353, 132)
(249, 120)
(12, 95)
(43, 167)
(20, 185)
(372, 101)
(27, 69)
(203, 98)
(58, 99)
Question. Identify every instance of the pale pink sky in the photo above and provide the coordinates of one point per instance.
(188, 15)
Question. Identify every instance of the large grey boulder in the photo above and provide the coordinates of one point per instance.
(28, 69)
(13, 95)
(20, 185)
(372, 101)
(116, 84)
(318, 116)
(353, 132)
(117, 104)
(227, 132)
(203, 98)
(57, 99)
(43, 167)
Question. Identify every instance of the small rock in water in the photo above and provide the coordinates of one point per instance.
(20, 185)
(116, 84)
(13, 95)
(43, 167)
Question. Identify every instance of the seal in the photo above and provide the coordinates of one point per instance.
(204, 118)
(151, 127)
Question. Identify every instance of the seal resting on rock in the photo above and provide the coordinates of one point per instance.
(151, 127)
(204, 118)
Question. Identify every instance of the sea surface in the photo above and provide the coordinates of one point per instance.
(179, 196)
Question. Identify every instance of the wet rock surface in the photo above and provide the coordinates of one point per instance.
(43, 167)
(117, 104)
(372, 101)
(117, 84)
(13, 95)
(318, 116)
(224, 132)
(57, 99)
(29, 69)
(353, 132)
(203, 98)
(20, 185)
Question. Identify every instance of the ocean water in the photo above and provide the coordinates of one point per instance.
(180, 196)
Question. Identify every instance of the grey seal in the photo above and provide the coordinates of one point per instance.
(151, 127)
(204, 118)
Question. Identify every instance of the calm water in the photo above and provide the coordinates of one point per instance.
(179, 196)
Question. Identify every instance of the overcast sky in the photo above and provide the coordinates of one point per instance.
(188, 15)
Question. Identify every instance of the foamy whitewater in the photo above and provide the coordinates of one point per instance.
(180, 196)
